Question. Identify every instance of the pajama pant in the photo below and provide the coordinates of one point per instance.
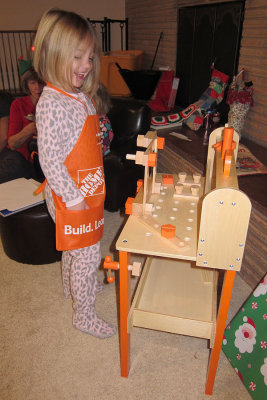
(79, 268)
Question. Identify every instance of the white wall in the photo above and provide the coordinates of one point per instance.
(25, 14)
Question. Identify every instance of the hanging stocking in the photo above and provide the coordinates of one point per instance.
(213, 94)
(192, 115)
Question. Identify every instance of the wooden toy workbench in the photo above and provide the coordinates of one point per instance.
(189, 228)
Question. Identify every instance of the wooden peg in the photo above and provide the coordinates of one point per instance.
(139, 158)
(196, 177)
(168, 231)
(143, 141)
(135, 268)
(167, 179)
(157, 187)
(194, 190)
(179, 188)
(149, 208)
(140, 141)
(182, 176)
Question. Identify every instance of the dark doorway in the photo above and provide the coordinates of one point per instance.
(206, 34)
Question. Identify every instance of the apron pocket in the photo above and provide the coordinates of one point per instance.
(77, 229)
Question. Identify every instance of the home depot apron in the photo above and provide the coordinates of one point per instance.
(77, 229)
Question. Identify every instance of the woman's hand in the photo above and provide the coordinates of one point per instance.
(79, 207)
(30, 129)
(16, 141)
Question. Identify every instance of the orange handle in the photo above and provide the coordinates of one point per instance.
(227, 140)
(109, 264)
(110, 278)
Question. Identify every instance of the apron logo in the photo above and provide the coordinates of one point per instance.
(83, 229)
(91, 181)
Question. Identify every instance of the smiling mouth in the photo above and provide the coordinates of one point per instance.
(81, 76)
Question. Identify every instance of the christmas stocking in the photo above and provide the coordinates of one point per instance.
(213, 94)
(192, 115)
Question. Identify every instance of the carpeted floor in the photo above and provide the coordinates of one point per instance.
(44, 358)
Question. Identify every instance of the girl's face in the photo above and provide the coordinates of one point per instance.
(82, 63)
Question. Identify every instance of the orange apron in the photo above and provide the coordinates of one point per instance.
(77, 229)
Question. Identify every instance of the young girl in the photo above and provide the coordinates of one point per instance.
(67, 58)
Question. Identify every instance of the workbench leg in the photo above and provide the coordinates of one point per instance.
(125, 299)
(220, 327)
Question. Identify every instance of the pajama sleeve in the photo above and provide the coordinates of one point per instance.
(56, 134)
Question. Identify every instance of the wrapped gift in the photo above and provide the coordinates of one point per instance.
(245, 342)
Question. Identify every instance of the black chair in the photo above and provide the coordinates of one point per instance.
(128, 118)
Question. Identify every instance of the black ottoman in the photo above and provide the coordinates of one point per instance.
(29, 236)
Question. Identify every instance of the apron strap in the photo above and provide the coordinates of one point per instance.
(41, 187)
(69, 95)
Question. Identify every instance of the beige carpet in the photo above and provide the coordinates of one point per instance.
(44, 358)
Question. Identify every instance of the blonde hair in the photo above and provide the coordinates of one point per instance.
(58, 37)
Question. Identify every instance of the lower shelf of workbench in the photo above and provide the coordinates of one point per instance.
(177, 297)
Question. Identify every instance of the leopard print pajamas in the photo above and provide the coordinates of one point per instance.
(59, 121)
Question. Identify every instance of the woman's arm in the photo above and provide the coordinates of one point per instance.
(18, 140)
(3, 132)
(20, 130)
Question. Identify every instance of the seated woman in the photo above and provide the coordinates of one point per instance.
(15, 161)
(5, 103)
